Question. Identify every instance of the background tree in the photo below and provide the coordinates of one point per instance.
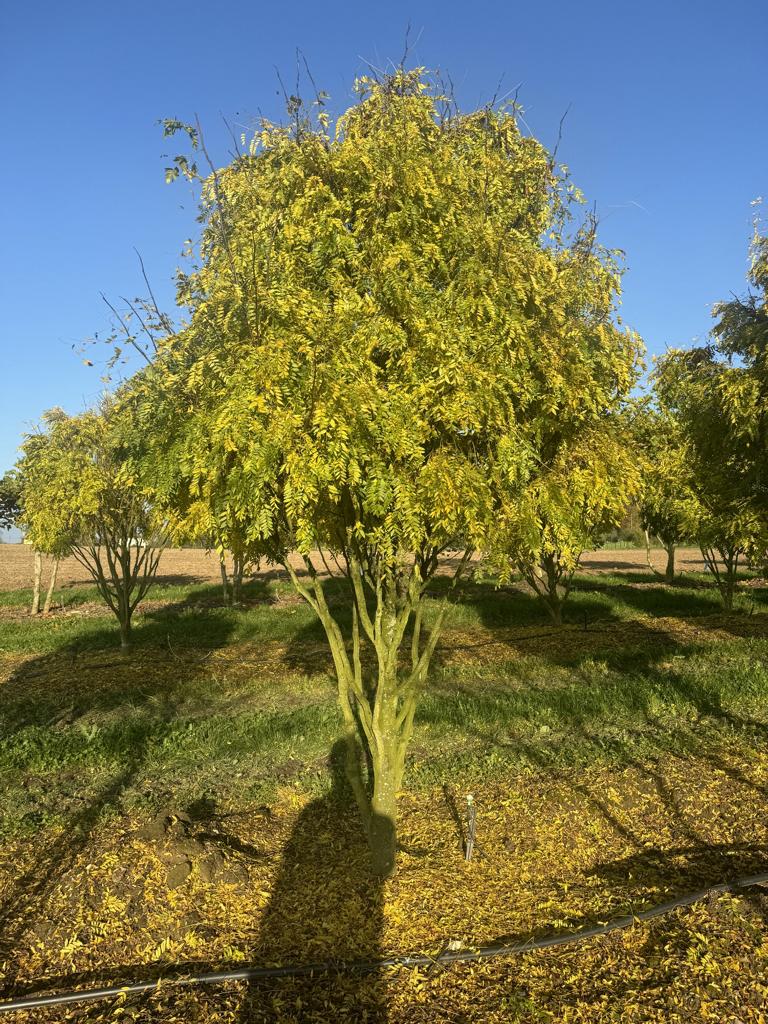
(668, 508)
(741, 338)
(11, 496)
(719, 396)
(583, 489)
(386, 320)
(10, 500)
(81, 497)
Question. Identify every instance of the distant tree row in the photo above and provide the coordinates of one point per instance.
(401, 338)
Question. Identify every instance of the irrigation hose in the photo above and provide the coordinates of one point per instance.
(448, 956)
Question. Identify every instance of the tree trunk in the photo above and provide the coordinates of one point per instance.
(382, 825)
(36, 585)
(125, 632)
(378, 702)
(237, 578)
(728, 588)
(550, 594)
(124, 613)
(51, 587)
(554, 606)
(224, 580)
(669, 572)
(725, 579)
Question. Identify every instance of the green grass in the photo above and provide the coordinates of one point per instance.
(198, 709)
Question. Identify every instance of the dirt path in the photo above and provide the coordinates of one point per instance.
(191, 565)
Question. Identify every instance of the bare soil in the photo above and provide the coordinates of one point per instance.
(193, 565)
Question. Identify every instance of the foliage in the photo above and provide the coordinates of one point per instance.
(668, 507)
(10, 500)
(387, 320)
(81, 497)
(719, 397)
(583, 488)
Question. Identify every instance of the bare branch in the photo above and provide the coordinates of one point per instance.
(131, 339)
(163, 318)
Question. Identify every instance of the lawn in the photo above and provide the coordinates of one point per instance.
(181, 806)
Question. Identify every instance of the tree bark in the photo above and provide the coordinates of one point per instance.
(125, 632)
(554, 606)
(224, 580)
(36, 584)
(51, 587)
(669, 572)
(382, 825)
(238, 565)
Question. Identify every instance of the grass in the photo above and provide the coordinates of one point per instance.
(615, 761)
(236, 701)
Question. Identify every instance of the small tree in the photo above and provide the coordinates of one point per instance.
(11, 492)
(719, 397)
(10, 500)
(668, 508)
(583, 489)
(386, 321)
(725, 513)
(81, 498)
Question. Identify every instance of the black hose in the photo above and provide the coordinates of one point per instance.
(448, 956)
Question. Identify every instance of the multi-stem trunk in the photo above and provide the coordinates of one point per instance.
(377, 686)
(724, 569)
(123, 570)
(549, 578)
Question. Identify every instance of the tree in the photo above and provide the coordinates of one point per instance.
(387, 318)
(582, 489)
(718, 394)
(81, 497)
(10, 500)
(668, 508)
(11, 493)
(721, 409)
(741, 336)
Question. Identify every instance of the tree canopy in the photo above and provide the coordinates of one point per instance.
(389, 318)
(10, 500)
(718, 395)
(81, 497)
(583, 484)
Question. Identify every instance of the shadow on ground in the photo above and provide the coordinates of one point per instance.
(58, 698)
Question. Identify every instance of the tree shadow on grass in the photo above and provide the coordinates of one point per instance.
(593, 600)
(77, 727)
(90, 675)
(326, 904)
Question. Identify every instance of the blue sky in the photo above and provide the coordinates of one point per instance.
(665, 133)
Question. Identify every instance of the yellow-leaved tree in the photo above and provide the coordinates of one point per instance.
(588, 474)
(717, 395)
(389, 316)
(81, 497)
(669, 510)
